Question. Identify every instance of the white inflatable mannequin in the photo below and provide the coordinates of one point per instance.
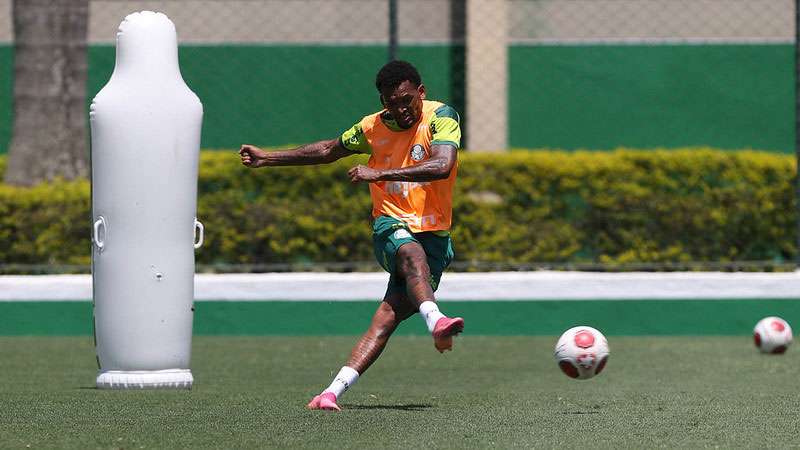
(145, 128)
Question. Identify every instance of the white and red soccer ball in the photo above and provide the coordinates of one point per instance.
(582, 352)
(772, 335)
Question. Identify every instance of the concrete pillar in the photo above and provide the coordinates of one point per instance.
(487, 75)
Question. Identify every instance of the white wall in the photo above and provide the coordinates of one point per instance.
(679, 20)
(421, 21)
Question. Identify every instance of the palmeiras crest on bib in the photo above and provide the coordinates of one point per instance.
(417, 152)
(402, 233)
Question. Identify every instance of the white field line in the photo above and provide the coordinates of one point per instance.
(538, 285)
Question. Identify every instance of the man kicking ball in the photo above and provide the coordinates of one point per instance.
(413, 146)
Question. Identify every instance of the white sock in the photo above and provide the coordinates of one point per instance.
(346, 377)
(430, 312)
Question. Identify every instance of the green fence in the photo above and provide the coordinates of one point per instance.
(560, 96)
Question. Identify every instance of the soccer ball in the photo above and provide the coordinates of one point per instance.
(582, 352)
(772, 335)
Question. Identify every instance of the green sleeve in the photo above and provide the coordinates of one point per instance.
(445, 126)
(355, 140)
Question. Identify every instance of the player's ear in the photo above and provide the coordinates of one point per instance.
(421, 90)
(383, 101)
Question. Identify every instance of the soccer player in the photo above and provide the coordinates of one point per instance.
(413, 145)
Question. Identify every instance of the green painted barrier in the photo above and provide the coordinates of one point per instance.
(511, 318)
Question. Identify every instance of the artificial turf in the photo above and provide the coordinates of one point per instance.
(491, 392)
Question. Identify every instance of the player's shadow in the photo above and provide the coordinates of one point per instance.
(408, 407)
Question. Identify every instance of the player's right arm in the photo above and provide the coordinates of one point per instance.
(351, 142)
(322, 152)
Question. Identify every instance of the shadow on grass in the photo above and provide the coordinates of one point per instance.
(409, 407)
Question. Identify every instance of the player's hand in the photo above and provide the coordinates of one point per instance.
(363, 173)
(253, 156)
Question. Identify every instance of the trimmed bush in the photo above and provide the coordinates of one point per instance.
(621, 207)
(629, 206)
(46, 224)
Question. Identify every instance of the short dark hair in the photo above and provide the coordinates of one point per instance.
(394, 73)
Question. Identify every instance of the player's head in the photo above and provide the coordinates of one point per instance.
(401, 92)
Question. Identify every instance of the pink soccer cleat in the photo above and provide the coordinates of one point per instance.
(444, 331)
(326, 401)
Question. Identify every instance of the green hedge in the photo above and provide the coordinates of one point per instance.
(616, 207)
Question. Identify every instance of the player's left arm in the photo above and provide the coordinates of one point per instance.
(437, 167)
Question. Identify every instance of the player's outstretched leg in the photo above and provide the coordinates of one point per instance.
(412, 265)
(393, 309)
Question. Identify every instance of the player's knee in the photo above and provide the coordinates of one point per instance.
(411, 262)
(385, 322)
(385, 326)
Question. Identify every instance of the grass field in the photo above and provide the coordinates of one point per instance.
(492, 392)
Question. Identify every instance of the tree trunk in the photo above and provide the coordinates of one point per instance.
(49, 137)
